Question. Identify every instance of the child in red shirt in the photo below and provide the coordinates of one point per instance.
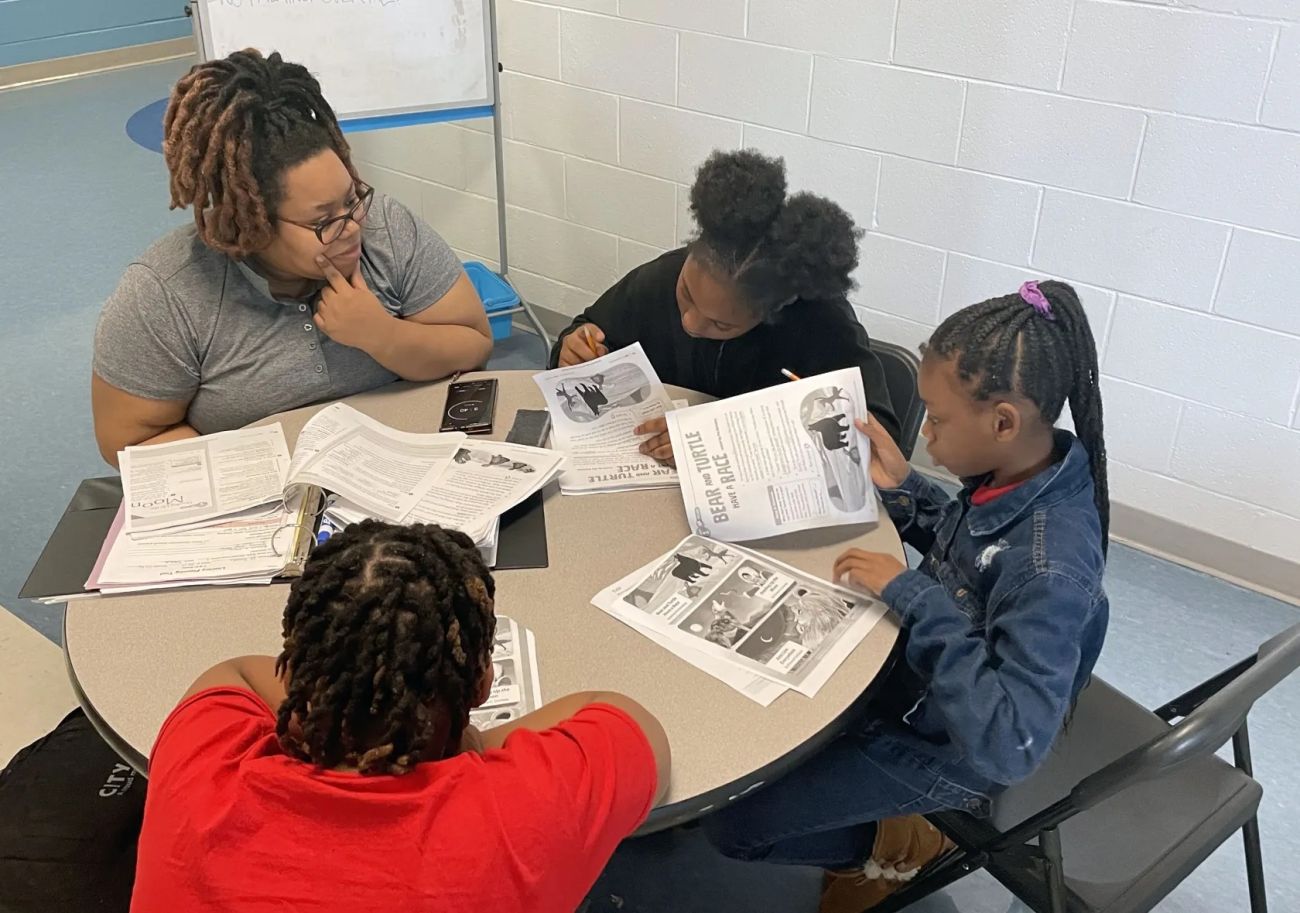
(345, 776)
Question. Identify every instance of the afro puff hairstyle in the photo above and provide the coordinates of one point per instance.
(776, 248)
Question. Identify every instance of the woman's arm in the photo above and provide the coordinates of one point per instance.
(450, 335)
(124, 420)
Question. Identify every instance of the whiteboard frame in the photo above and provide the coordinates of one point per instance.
(407, 115)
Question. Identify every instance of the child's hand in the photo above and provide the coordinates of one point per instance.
(867, 570)
(888, 465)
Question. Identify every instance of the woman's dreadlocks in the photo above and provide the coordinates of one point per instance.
(387, 635)
(232, 128)
(1004, 345)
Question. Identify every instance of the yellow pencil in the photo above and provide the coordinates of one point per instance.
(790, 374)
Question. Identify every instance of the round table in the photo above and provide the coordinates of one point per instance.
(131, 657)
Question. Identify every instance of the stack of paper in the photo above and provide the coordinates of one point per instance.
(477, 481)
(516, 685)
(595, 408)
(754, 623)
(777, 460)
(241, 551)
(235, 508)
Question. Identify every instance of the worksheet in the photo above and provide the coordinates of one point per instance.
(249, 550)
(594, 408)
(187, 482)
(380, 469)
(516, 684)
(745, 611)
(214, 478)
(483, 480)
(775, 461)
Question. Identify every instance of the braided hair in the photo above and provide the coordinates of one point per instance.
(387, 636)
(777, 249)
(1005, 345)
(232, 128)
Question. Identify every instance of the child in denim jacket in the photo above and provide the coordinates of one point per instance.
(1002, 622)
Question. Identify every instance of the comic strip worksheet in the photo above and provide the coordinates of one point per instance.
(516, 685)
(758, 615)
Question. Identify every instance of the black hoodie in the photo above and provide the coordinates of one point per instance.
(807, 338)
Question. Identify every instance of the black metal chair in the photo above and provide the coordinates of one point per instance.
(901, 370)
(1127, 805)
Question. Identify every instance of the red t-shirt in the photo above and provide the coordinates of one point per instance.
(232, 823)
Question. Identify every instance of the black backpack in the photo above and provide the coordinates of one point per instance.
(70, 814)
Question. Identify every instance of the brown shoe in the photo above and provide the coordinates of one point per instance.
(903, 847)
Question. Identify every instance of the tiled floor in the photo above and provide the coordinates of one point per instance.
(80, 199)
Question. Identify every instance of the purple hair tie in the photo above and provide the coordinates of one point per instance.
(1036, 299)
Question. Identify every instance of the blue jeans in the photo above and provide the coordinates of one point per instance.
(822, 814)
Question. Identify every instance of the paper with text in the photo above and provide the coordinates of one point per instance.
(378, 468)
(483, 480)
(516, 683)
(745, 609)
(594, 408)
(199, 479)
(246, 550)
(775, 461)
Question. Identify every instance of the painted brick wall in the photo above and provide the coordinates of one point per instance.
(1147, 151)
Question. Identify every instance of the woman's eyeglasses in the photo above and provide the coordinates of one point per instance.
(330, 230)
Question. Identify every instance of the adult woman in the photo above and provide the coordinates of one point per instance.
(761, 288)
(297, 282)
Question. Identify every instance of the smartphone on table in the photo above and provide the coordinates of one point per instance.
(471, 406)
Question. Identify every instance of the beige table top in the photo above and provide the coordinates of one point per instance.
(131, 657)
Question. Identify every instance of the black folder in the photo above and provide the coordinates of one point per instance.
(69, 556)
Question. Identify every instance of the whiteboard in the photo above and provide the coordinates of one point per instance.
(372, 57)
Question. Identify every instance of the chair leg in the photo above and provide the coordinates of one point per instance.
(1049, 841)
(1250, 830)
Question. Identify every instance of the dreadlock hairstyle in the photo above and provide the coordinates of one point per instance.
(232, 127)
(775, 248)
(1042, 351)
(387, 635)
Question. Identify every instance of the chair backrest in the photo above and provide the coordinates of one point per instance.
(901, 370)
(1203, 731)
(1112, 744)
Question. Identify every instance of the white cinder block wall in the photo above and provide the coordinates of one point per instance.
(1146, 150)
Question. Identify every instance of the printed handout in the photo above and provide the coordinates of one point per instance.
(244, 550)
(378, 468)
(516, 684)
(753, 613)
(477, 482)
(183, 483)
(594, 408)
(777, 460)
(190, 483)
(483, 480)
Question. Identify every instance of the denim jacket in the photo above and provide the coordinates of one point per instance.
(1003, 623)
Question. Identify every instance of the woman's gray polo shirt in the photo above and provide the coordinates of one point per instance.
(189, 323)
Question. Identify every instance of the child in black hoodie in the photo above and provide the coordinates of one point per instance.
(762, 287)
